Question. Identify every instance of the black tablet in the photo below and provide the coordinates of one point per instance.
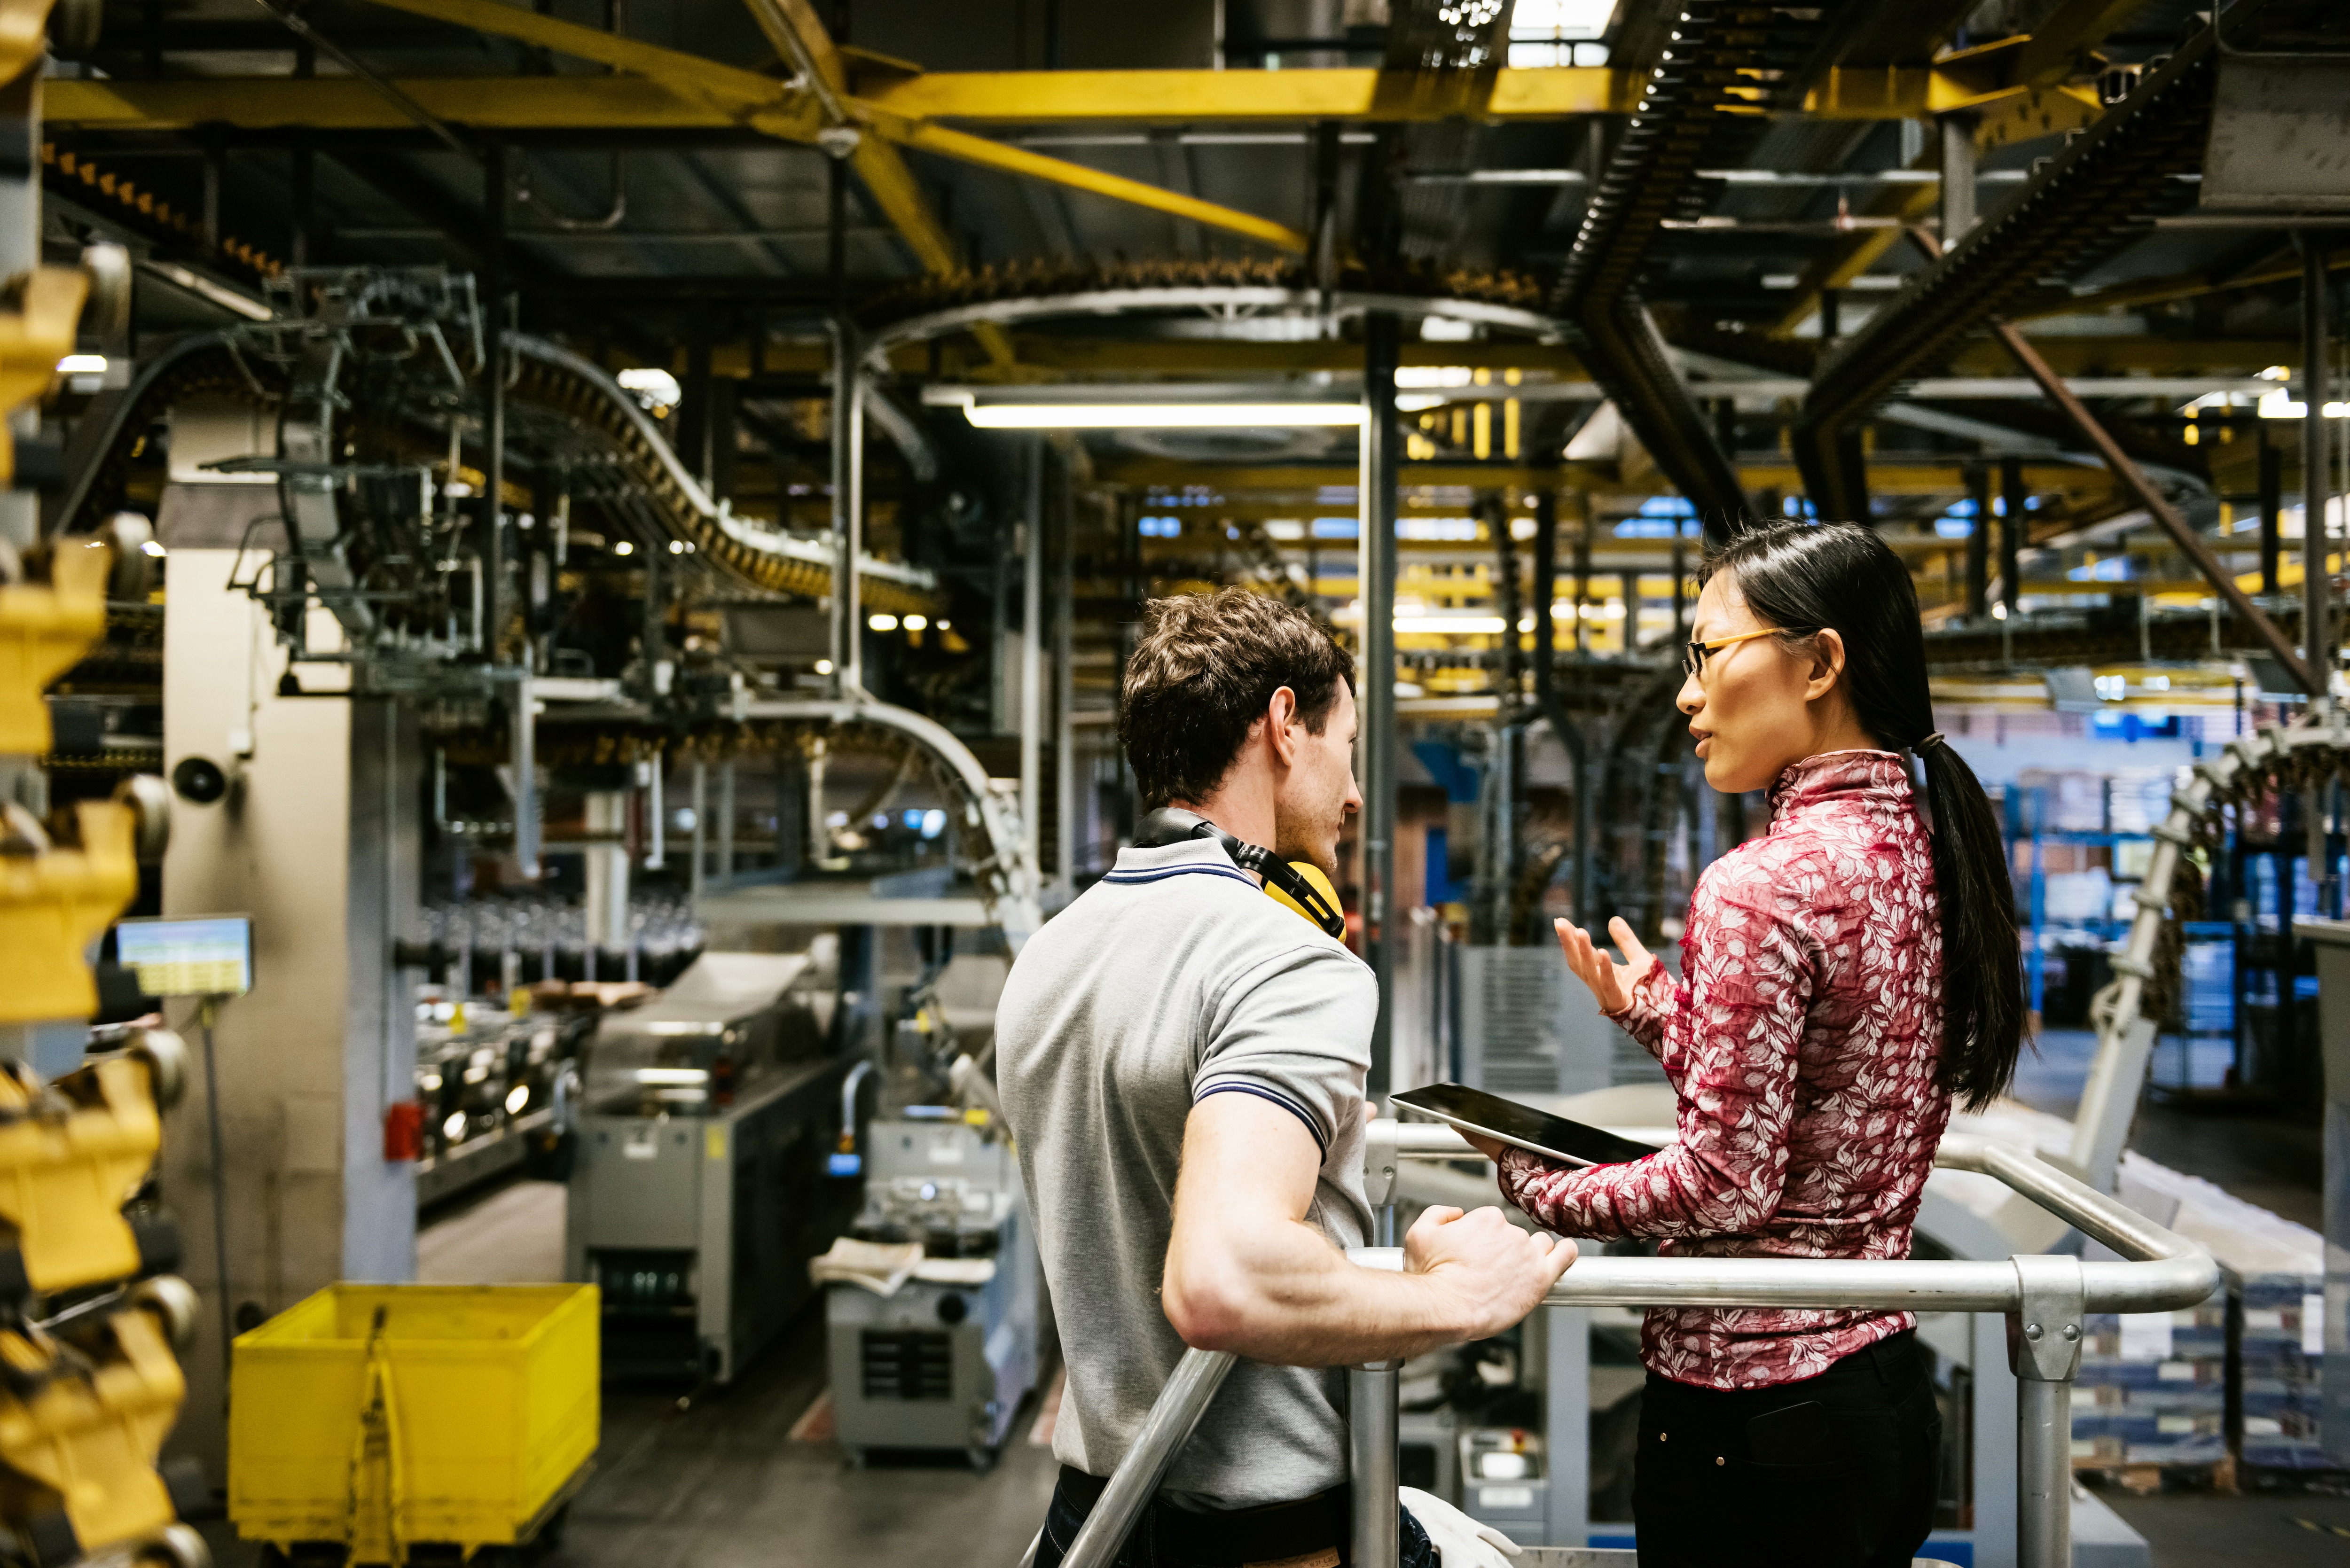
(1474, 1110)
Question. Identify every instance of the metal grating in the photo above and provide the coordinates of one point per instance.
(907, 1364)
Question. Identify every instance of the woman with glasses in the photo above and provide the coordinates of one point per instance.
(1846, 978)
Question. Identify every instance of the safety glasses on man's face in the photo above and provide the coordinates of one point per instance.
(1693, 656)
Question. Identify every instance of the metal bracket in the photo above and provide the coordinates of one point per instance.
(2043, 1337)
(1379, 1161)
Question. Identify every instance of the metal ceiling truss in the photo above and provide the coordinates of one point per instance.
(2089, 203)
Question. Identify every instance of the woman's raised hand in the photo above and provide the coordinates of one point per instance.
(1610, 982)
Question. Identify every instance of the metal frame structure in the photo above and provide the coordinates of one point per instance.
(2045, 1298)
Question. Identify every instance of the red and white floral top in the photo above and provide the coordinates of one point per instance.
(1802, 1046)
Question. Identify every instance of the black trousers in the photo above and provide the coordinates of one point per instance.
(1748, 1477)
(1170, 1537)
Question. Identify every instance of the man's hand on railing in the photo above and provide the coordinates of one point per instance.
(1497, 1272)
(1460, 1540)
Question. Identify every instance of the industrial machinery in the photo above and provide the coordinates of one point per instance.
(495, 1088)
(943, 1360)
(699, 1194)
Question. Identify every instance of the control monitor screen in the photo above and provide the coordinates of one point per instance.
(208, 956)
(1474, 1110)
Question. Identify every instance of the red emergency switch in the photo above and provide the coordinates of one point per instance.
(404, 1130)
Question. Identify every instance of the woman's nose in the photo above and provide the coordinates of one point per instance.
(1691, 698)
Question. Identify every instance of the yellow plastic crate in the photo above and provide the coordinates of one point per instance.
(461, 1415)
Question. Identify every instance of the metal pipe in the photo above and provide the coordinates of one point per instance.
(2044, 1473)
(1957, 174)
(1031, 658)
(1064, 741)
(700, 817)
(524, 762)
(848, 506)
(494, 397)
(1373, 1395)
(656, 822)
(1375, 682)
(1135, 1480)
(726, 820)
(2316, 472)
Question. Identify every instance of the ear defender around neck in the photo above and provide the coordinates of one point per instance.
(1300, 884)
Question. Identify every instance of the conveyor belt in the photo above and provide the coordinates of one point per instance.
(548, 378)
(2091, 201)
(1728, 66)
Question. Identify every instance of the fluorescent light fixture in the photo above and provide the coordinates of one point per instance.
(671, 1075)
(1160, 416)
(882, 622)
(2280, 406)
(82, 364)
(916, 622)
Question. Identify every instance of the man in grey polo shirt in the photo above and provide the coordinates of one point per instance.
(1182, 1060)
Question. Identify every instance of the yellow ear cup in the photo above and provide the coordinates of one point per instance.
(1311, 873)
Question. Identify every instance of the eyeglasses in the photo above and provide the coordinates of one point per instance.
(1693, 656)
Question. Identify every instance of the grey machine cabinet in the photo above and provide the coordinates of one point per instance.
(699, 1195)
(936, 1363)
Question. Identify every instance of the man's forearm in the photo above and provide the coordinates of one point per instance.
(1284, 1295)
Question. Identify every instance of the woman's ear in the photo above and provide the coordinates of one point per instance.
(1827, 664)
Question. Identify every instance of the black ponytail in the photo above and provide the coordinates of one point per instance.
(1815, 576)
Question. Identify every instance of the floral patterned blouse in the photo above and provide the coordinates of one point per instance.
(1802, 1046)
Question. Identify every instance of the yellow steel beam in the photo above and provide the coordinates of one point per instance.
(706, 93)
(886, 176)
(339, 103)
(2018, 116)
(1173, 97)
(763, 102)
(969, 149)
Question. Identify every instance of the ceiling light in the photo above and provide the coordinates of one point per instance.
(882, 622)
(1148, 416)
(82, 364)
(824, 666)
(916, 622)
(654, 387)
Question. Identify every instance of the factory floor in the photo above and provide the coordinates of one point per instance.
(748, 1476)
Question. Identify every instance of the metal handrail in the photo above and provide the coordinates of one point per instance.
(2048, 1296)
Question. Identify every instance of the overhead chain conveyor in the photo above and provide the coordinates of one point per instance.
(616, 442)
(1727, 68)
(2095, 198)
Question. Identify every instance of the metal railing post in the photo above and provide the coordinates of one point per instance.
(1135, 1480)
(2044, 1336)
(2044, 1299)
(1372, 1411)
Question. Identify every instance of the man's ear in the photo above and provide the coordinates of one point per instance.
(1279, 715)
(1827, 664)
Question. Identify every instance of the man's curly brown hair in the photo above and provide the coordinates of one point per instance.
(1206, 668)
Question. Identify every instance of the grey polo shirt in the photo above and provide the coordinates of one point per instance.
(1174, 978)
